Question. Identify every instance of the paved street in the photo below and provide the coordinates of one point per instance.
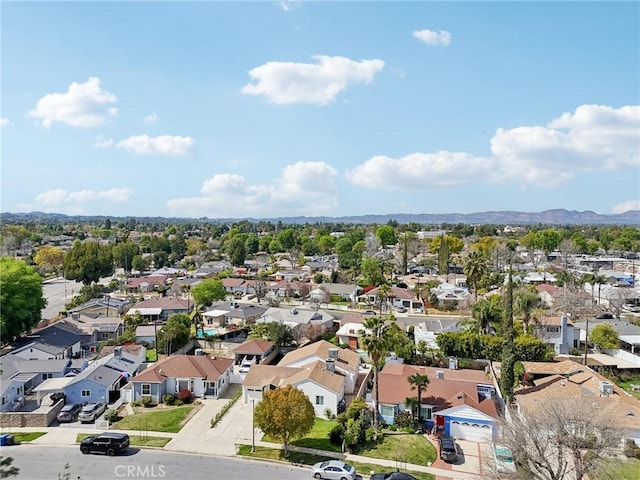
(58, 292)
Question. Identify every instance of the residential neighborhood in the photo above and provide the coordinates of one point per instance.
(421, 353)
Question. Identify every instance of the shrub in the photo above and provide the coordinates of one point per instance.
(403, 419)
(135, 403)
(225, 408)
(336, 435)
(178, 403)
(146, 402)
(185, 395)
(631, 449)
(168, 398)
(393, 428)
(111, 415)
(329, 414)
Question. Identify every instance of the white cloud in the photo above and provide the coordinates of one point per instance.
(304, 188)
(150, 119)
(102, 142)
(64, 197)
(421, 170)
(162, 145)
(4, 122)
(626, 206)
(593, 138)
(312, 83)
(590, 139)
(437, 39)
(83, 105)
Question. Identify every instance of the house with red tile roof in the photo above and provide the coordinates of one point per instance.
(200, 374)
(459, 402)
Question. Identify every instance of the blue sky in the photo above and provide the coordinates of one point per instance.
(268, 109)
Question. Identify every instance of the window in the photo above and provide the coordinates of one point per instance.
(146, 389)
(319, 400)
(85, 393)
(425, 412)
(387, 410)
(47, 375)
(4, 400)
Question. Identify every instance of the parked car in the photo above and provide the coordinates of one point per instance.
(333, 470)
(69, 412)
(91, 411)
(111, 443)
(401, 309)
(448, 448)
(397, 475)
(504, 459)
(370, 312)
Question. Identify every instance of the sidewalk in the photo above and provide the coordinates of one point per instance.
(388, 464)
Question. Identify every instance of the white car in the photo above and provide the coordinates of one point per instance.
(333, 470)
(504, 459)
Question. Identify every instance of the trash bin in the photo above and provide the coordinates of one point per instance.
(10, 440)
(3, 439)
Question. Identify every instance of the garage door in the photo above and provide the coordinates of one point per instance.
(253, 394)
(470, 431)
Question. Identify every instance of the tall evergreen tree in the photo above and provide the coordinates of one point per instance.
(507, 379)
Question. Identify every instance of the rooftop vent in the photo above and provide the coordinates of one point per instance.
(440, 374)
(333, 353)
(606, 388)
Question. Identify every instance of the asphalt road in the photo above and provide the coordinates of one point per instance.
(47, 463)
(58, 293)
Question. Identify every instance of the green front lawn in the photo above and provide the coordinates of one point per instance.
(135, 440)
(403, 448)
(300, 458)
(27, 436)
(157, 419)
(318, 438)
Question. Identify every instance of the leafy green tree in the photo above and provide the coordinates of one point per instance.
(525, 301)
(375, 342)
(372, 271)
(419, 382)
(285, 414)
(175, 333)
(604, 335)
(252, 244)
(236, 251)
(487, 313)
(531, 349)
(140, 263)
(279, 333)
(123, 253)
(387, 235)
(288, 239)
(87, 262)
(507, 376)
(21, 298)
(208, 291)
(160, 259)
(49, 257)
(548, 240)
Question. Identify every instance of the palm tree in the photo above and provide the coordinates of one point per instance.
(419, 382)
(474, 269)
(375, 342)
(382, 295)
(486, 312)
(599, 280)
(525, 301)
(412, 404)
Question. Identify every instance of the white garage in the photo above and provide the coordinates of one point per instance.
(467, 423)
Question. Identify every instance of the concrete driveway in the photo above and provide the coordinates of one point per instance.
(197, 436)
(472, 459)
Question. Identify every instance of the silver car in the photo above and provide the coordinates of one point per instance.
(91, 411)
(334, 470)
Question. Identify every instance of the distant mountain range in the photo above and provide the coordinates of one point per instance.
(547, 217)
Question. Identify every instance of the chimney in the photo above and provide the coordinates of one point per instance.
(333, 353)
(331, 365)
(440, 374)
(117, 352)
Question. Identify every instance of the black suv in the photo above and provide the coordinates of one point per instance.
(448, 449)
(111, 443)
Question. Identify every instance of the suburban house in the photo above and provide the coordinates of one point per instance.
(149, 283)
(210, 269)
(567, 380)
(100, 384)
(100, 328)
(235, 286)
(628, 333)
(451, 295)
(341, 361)
(537, 278)
(59, 340)
(18, 377)
(255, 351)
(293, 317)
(550, 295)
(161, 308)
(396, 297)
(101, 307)
(287, 288)
(234, 313)
(146, 334)
(200, 374)
(324, 388)
(294, 276)
(128, 359)
(460, 403)
(428, 330)
(326, 374)
(349, 334)
(343, 291)
(557, 332)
